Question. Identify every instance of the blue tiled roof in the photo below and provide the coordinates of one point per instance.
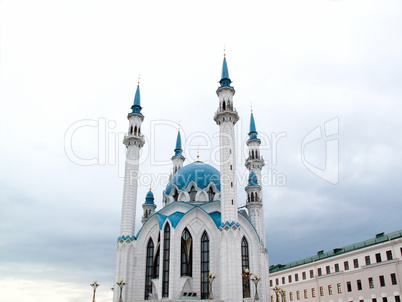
(149, 198)
(137, 101)
(253, 131)
(178, 151)
(202, 174)
(225, 80)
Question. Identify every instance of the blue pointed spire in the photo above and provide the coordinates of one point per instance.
(137, 101)
(253, 132)
(178, 151)
(225, 80)
(149, 198)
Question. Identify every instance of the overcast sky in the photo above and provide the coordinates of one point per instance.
(324, 79)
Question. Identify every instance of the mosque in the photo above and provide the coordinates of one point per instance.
(200, 232)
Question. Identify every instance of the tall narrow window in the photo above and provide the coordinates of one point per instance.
(313, 292)
(346, 265)
(359, 284)
(245, 265)
(186, 253)
(367, 259)
(339, 286)
(371, 282)
(356, 263)
(330, 289)
(321, 291)
(319, 272)
(336, 267)
(205, 266)
(328, 269)
(304, 275)
(311, 274)
(166, 257)
(382, 281)
(193, 192)
(349, 286)
(296, 277)
(393, 279)
(156, 258)
(211, 194)
(378, 257)
(175, 195)
(149, 269)
(389, 255)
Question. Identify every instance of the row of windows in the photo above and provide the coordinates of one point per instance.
(359, 286)
(384, 299)
(336, 267)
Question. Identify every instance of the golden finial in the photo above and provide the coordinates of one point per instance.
(150, 186)
(139, 77)
(252, 168)
(198, 153)
(224, 51)
(179, 127)
(251, 107)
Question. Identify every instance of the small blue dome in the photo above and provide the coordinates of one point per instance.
(202, 174)
(149, 198)
(252, 179)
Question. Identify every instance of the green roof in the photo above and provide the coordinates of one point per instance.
(379, 238)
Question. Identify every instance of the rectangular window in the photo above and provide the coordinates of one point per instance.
(321, 291)
(311, 274)
(277, 281)
(374, 300)
(313, 292)
(270, 283)
(378, 257)
(290, 296)
(393, 279)
(319, 272)
(336, 267)
(384, 299)
(290, 278)
(371, 283)
(397, 299)
(305, 294)
(356, 263)
(389, 255)
(304, 275)
(349, 286)
(328, 269)
(296, 277)
(359, 284)
(284, 297)
(330, 289)
(368, 261)
(298, 295)
(339, 286)
(283, 280)
(382, 281)
(346, 265)
(401, 251)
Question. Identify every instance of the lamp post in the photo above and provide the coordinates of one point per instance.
(256, 280)
(94, 286)
(121, 285)
(247, 275)
(276, 289)
(282, 292)
(211, 279)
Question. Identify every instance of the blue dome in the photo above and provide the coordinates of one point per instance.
(149, 198)
(202, 174)
(252, 179)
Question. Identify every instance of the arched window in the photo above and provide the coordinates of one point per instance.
(149, 269)
(156, 258)
(211, 194)
(166, 258)
(175, 195)
(193, 192)
(252, 196)
(224, 106)
(186, 254)
(245, 264)
(204, 266)
(131, 130)
(135, 130)
(252, 154)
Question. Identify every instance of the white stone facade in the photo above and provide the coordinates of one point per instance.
(369, 271)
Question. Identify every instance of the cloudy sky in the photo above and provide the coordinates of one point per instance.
(324, 78)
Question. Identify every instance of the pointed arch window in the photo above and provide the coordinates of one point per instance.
(149, 269)
(204, 266)
(166, 258)
(135, 130)
(186, 254)
(224, 106)
(252, 196)
(157, 258)
(192, 193)
(176, 195)
(211, 194)
(244, 265)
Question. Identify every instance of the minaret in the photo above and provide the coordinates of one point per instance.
(254, 205)
(148, 206)
(178, 158)
(230, 240)
(134, 142)
(226, 117)
(254, 162)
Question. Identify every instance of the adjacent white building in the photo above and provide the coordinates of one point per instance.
(368, 271)
(200, 228)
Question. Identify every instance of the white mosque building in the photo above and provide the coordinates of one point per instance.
(200, 228)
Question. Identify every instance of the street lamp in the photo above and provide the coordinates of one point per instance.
(211, 279)
(247, 275)
(276, 289)
(121, 285)
(282, 292)
(256, 280)
(94, 286)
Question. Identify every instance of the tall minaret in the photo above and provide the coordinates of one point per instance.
(133, 141)
(254, 205)
(230, 240)
(254, 162)
(226, 117)
(178, 158)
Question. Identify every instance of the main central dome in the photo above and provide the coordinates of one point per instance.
(200, 173)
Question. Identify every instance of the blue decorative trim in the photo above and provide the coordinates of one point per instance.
(230, 224)
(132, 238)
